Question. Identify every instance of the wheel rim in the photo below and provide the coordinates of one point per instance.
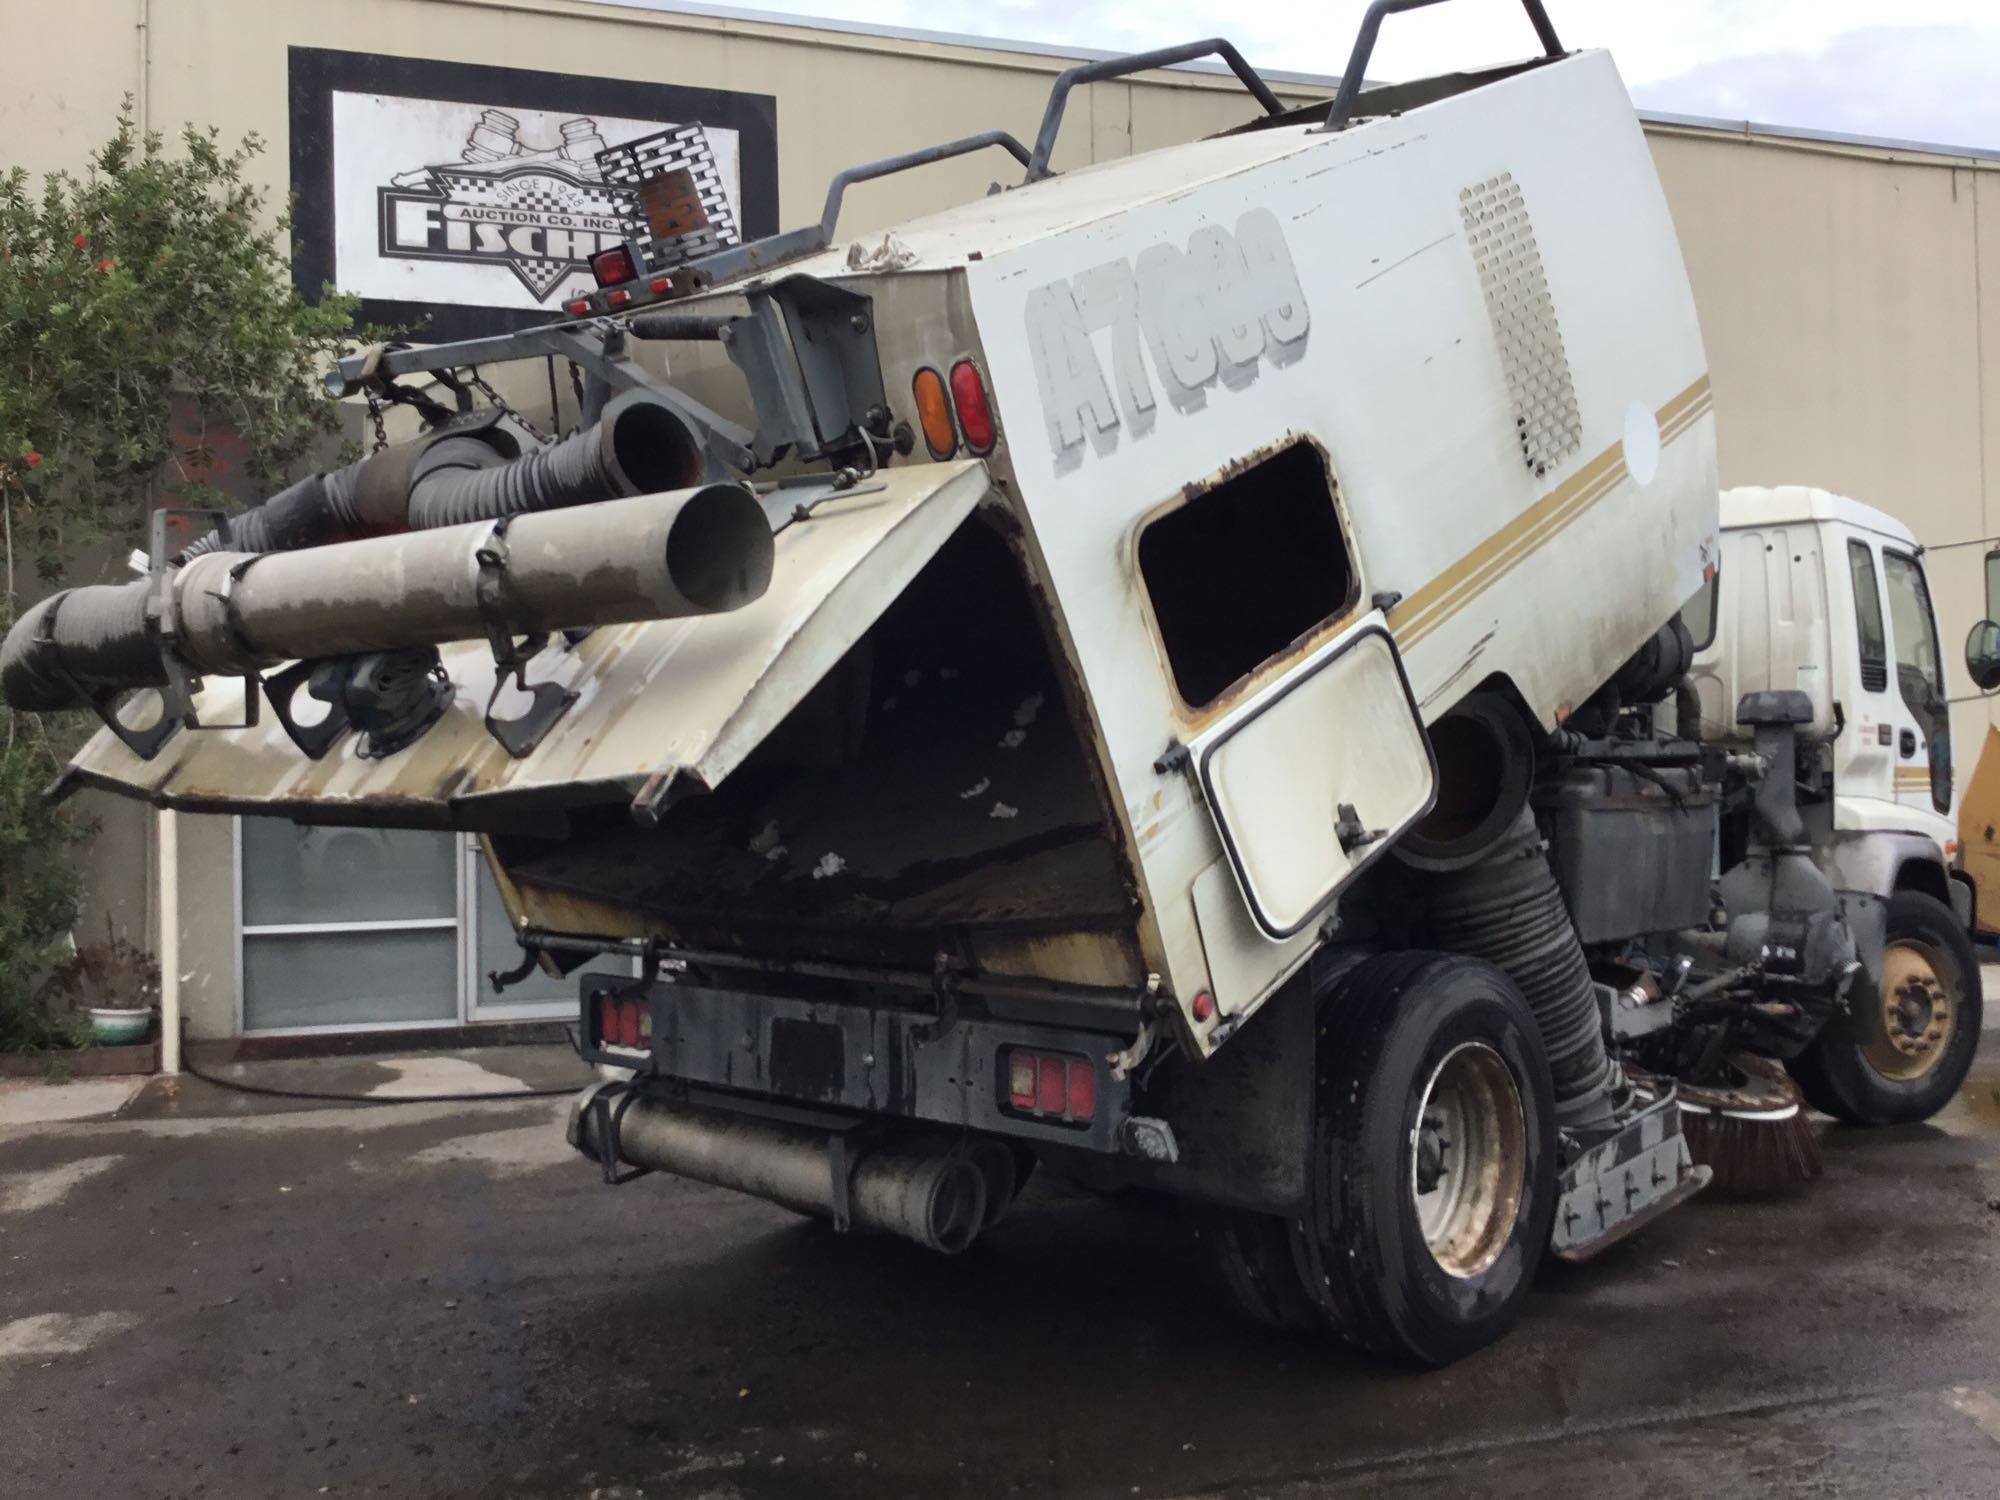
(1919, 1010)
(1468, 1159)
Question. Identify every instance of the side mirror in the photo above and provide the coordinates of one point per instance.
(1982, 656)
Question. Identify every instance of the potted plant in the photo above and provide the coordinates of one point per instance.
(115, 983)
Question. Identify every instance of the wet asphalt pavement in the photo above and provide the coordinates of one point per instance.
(441, 1300)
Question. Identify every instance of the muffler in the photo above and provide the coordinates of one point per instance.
(922, 1189)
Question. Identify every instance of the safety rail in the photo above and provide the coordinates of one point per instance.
(1138, 62)
(1341, 114)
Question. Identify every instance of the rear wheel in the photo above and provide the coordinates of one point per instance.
(1899, 1054)
(1432, 1173)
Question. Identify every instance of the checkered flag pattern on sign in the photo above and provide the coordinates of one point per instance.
(684, 148)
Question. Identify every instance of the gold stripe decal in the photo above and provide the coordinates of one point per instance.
(1462, 582)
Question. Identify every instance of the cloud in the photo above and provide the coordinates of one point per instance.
(1823, 64)
(1926, 83)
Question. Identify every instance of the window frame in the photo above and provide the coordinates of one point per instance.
(1860, 554)
(1274, 667)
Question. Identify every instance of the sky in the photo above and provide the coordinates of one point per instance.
(1914, 69)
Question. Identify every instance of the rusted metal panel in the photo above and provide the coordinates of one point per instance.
(664, 699)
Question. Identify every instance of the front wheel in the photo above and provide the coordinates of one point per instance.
(1432, 1177)
(1901, 1052)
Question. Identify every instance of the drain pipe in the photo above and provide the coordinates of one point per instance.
(169, 846)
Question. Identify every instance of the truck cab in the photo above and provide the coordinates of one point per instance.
(1827, 596)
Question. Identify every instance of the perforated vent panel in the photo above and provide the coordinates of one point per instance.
(686, 149)
(1524, 321)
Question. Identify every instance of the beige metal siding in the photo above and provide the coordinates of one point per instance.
(1848, 298)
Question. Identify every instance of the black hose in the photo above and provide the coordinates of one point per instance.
(95, 634)
(187, 1066)
(1508, 910)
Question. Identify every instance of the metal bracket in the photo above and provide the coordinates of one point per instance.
(841, 1160)
(313, 740)
(550, 700)
(610, 1119)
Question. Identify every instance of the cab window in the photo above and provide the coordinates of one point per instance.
(1868, 617)
(1919, 665)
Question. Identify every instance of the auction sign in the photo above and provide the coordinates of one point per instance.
(458, 200)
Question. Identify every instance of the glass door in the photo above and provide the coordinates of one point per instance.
(367, 929)
(346, 928)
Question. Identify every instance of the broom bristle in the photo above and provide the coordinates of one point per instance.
(1755, 1136)
(1765, 1151)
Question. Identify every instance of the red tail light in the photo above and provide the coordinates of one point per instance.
(1082, 1090)
(1052, 1094)
(975, 418)
(613, 267)
(1051, 1086)
(578, 307)
(623, 1023)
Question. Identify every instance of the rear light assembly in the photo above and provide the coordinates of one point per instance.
(975, 417)
(624, 1023)
(934, 413)
(614, 267)
(1053, 1086)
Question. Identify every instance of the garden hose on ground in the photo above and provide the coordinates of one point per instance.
(187, 1066)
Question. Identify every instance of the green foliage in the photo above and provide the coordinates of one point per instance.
(151, 277)
(143, 306)
(39, 881)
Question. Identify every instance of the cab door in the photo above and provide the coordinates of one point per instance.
(1923, 727)
(1869, 749)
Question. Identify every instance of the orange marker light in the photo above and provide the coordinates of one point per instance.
(934, 413)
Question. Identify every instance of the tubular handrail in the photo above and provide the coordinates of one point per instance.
(1138, 62)
(868, 171)
(759, 255)
(1342, 110)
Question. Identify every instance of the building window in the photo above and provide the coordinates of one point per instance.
(368, 928)
(1245, 569)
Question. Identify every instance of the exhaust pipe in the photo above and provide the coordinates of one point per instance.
(920, 1189)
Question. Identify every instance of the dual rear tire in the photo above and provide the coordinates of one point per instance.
(1431, 1179)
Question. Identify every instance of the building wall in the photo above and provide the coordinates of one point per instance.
(1848, 295)
(1850, 301)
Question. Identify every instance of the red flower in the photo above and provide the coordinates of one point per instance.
(104, 265)
(31, 458)
(79, 240)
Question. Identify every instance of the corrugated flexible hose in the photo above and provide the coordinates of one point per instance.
(1508, 910)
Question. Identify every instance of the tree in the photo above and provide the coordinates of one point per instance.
(144, 307)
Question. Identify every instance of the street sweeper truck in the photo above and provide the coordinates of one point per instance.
(1187, 672)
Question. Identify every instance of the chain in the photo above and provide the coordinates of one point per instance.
(375, 419)
(485, 388)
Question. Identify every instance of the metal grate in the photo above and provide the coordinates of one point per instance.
(1546, 418)
(651, 160)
